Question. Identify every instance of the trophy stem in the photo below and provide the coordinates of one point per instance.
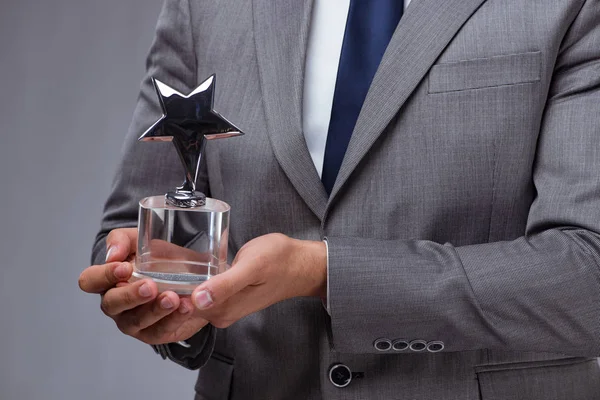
(188, 185)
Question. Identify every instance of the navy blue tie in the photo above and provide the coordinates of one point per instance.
(369, 28)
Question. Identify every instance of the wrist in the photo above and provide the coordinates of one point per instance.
(312, 257)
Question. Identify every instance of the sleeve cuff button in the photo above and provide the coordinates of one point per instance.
(400, 345)
(382, 344)
(435, 347)
(418, 345)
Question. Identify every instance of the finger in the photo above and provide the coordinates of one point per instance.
(132, 321)
(120, 299)
(179, 325)
(163, 250)
(221, 287)
(100, 278)
(120, 243)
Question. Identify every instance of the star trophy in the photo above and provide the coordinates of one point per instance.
(182, 235)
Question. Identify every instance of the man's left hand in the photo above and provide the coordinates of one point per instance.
(266, 270)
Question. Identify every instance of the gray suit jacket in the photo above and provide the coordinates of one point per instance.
(467, 208)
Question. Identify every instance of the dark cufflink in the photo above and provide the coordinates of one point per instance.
(417, 345)
(382, 344)
(435, 346)
(400, 345)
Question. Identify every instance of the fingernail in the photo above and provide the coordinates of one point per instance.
(203, 299)
(166, 303)
(184, 309)
(122, 271)
(145, 290)
(110, 250)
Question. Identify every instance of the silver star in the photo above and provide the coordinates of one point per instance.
(188, 121)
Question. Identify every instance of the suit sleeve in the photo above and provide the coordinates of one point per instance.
(151, 168)
(539, 292)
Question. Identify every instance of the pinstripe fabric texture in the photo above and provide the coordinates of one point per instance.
(467, 208)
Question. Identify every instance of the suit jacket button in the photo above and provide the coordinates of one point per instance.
(340, 375)
(418, 345)
(382, 344)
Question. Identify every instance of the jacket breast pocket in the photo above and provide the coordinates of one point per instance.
(573, 378)
(502, 70)
(214, 378)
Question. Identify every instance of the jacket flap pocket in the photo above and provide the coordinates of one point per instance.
(529, 364)
(485, 72)
(565, 379)
(214, 379)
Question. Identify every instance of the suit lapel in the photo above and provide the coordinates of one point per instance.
(281, 32)
(423, 33)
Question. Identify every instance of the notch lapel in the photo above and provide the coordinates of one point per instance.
(281, 32)
(425, 30)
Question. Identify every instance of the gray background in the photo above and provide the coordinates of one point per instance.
(69, 75)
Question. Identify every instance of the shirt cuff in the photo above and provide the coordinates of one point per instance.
(326, 302)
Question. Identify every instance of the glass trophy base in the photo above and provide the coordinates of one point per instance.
(179, 248)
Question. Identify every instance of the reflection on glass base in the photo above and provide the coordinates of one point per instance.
(163, 276)
(179, 248)
(182, 283)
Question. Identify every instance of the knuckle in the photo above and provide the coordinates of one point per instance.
(144, 338)
(126, 329)
(105, 306)
(159, 332)
(221, 323)
(260, 267)
(218, 293)
(83, 281)
(157, 309)
(131, 233)
(121, 327)
(128, 298)
(135, 321)
(111, 237)
(279, 237)
(109, 275)
(263, 260)
(153, 339)
(115, 234)
(139, 336)
(131, 325)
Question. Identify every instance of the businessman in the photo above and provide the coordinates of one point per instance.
(415, 205)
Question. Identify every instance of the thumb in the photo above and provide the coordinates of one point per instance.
(218, 289)
(120, 243)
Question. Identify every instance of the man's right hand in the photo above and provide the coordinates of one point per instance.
(137, 308)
